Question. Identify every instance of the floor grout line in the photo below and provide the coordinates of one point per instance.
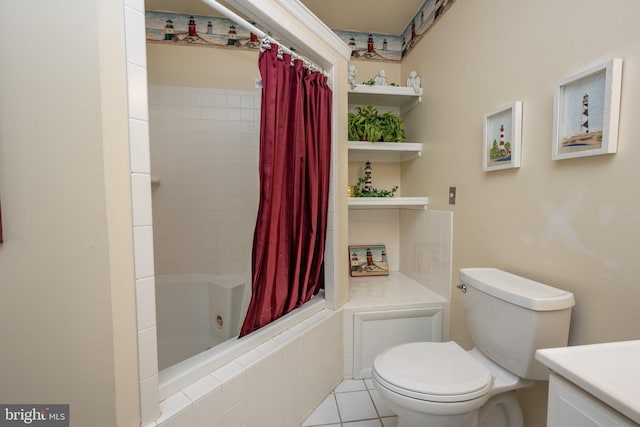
(341, 422)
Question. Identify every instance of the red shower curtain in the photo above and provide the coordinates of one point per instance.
(295, 158)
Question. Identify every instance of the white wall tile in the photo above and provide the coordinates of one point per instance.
(206, 395)
(236, 415)
(148, 353)
(139, 146)
(146, 302)
(149, 398)
(176, 411)
(143, 251)
(234, 385)
(135, 36)
(135, 4)
(137, 88)
(141, 199)
(234, 101)
(205, 207)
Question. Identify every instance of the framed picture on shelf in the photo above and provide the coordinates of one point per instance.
(368, 260)
(502, 138)
(585, 112)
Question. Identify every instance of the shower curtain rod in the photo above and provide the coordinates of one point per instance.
(253, 29)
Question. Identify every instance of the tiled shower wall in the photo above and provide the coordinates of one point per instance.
(204, 153)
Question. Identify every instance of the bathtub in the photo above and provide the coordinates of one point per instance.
(187, 318)
(196, 312)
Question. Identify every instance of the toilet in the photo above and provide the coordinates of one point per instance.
(441, 385)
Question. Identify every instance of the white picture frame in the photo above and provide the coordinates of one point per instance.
(586, 112)
(502, 142)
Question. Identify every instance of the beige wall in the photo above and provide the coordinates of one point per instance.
(574, 223)
(67, 309)
(369, 69)
(227, 68)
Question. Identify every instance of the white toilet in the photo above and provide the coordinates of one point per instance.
(509, 317)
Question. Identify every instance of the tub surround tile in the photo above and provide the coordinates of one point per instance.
(137, 85)
(147, 353)
(265, 387)
(135, 4)
(258, 398)
(257, 375)
(204, 387)
(135, 37)
(143, 251)
(141, 203)
(218, 422)
(202, 156)
(206, 395)
(236, 415)
(176, 411)
(139, 146)
(149, 398)
(234, 384)
(146, 302)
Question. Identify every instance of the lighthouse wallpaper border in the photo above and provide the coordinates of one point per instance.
(368, 260)
(218, 32)
(586, 110)
(502, 140)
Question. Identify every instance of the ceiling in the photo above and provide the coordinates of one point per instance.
(363, 16)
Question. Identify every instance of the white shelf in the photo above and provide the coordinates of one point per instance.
(362, 151)
(393, 96)
(388, 202)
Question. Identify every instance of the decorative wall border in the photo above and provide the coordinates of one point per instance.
(196, 30)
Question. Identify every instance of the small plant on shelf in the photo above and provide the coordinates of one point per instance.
(363, 187)
(367, 124)
(373, 192)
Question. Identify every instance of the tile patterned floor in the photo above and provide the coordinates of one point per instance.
(354, 403)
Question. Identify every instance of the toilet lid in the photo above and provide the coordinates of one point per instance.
(438, 372)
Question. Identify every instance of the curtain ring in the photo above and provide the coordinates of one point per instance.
(280, 53)
(266, 44)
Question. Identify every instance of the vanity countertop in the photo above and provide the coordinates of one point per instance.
(609, 372)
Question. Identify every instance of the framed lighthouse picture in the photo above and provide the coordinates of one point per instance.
(368, 260)
(503, 138)
(586, 110)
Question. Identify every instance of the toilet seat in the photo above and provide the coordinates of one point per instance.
(435, 372)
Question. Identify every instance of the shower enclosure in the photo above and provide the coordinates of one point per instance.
(204, 166)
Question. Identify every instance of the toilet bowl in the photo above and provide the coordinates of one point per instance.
(442, 385)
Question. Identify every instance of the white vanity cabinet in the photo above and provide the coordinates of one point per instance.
(570, 406)
(593, 385)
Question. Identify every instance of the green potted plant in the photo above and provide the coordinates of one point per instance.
(367, 124)
(392, 127)
(362, 124)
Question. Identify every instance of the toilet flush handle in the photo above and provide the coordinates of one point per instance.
(462, 287)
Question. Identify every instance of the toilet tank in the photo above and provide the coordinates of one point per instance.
(510, 317)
